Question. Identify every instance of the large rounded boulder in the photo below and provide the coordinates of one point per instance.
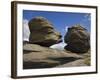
(77, 39)
(42, 32)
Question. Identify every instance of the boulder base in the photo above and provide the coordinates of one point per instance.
(36, 56)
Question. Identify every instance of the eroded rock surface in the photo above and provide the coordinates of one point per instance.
(42, 32)
(36, 56)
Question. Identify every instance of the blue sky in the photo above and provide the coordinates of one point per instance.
(61, 20)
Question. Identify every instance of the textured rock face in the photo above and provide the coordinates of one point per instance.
(36, 56)
(42, 32)
(77, 39)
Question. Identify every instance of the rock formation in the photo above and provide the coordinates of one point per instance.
(37, 54)
(42, 32)
(77, 39)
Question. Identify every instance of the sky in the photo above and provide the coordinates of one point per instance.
(60, 20)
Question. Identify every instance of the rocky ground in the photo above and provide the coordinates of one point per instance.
(36, 56)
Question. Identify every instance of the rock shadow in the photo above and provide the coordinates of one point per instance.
(55, 62)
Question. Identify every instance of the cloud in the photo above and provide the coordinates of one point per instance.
(87, 17)
(59, 46)
(26, 31)
(66, 28)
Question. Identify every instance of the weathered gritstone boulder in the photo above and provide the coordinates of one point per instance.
(36, 56)
(42, 32)
(77, 39)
